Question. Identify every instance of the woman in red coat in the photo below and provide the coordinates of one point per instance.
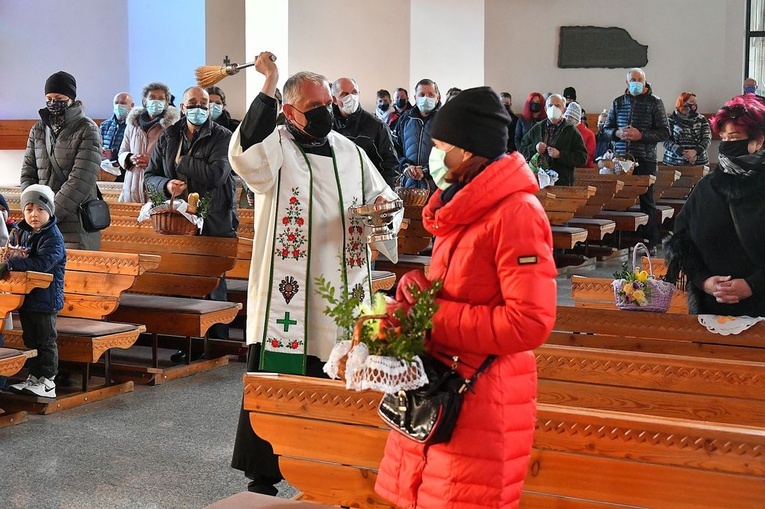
(493, 250)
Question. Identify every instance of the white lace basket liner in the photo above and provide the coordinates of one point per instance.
(351, 361)
(179, 205)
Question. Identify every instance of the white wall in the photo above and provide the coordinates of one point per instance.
(86, 38)
(267, 25)
(368, 41)
(166, 43)
(447, 43)
(225, 35)
(692, 45)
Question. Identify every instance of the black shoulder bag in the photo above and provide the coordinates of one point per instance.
(93, 213)
(429, 414)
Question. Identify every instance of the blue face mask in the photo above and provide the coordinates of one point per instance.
(437, 168)
(197, 115)
(636, 87)
(120, 111)
(155, 107)
(426, 104)
(216, 110)
(750, 90)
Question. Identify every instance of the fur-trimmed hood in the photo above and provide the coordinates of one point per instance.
(171, 116)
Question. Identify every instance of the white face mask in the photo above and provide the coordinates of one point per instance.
(426, 104)
(554, 113)
(349, 104)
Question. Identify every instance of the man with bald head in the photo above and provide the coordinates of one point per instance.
(191, 156)
(636, 122)
(363, 128)
(113, 130)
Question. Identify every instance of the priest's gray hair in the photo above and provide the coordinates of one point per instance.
(294, 82)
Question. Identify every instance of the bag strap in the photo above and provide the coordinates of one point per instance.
(749, 254)
(51, 157)
(54, 163)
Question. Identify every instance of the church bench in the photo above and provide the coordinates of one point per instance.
(634, 186)
(11, 362)
(597, 293)
(249, 500)
(93, 283)
(594, 458)
(605, 190)
(571, 197)
(689, 177)
(13, 289)
(666, 176)
(169, 300)
(663, 212)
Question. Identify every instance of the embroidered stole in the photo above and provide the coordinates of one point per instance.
(286, 330)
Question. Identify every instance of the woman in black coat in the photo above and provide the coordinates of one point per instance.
(719, 237)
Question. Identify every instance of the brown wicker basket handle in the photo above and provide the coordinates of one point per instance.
(173, 196)
(359, 327)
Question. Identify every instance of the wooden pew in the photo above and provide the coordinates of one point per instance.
(560, 211)
(13, 289)
(11, 362)
(581, 457)
(169, 300)
(666, 176)
(689, 177)
(597, 293)
(93, 283)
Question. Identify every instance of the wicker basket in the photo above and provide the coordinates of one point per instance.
(413, 196)
(661, 291)
(172, 222)
(105, 176)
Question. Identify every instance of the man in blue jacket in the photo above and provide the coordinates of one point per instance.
(636, 123)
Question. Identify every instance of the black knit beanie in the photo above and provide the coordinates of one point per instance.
(569, 93)
(61, 83)
(473, 120)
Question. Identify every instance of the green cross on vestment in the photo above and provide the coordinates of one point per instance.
(286, 321)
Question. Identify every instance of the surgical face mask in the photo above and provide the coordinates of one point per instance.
(318, 122)
(349, 104)
(401, 103)
(56, 108)
(197, 115)
(383, 106)
(216, 110)
(437, 167)
(731, 149)
(636, 87)
(554, 113)
(155, 107)
(426, 104)
(750, 90)
(120, 111)
(535, 107)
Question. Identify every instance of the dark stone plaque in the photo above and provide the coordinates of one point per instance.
(610, 47)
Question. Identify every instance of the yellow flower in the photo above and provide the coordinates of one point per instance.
(639, 296)
(642, 276)
(628, 288)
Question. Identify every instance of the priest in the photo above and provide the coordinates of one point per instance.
(305, 178)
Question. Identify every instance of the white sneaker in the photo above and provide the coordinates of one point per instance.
(44, 388)
(23, 385)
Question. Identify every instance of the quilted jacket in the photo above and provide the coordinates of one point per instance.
(644, 112)
(77, 148)
(493, 250)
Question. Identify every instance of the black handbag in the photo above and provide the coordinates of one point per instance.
(94, 214)
(429, 414)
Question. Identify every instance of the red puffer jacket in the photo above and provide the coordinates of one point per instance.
(494, 251)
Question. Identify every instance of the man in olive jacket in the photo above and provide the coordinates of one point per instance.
(76, 145)
(192, 156)
(557, 141)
